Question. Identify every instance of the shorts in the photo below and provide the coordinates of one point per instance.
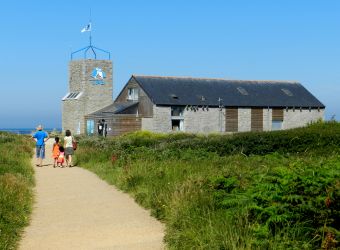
(69, 151)
(40, 151)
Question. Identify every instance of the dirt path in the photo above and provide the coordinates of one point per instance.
(74, 209)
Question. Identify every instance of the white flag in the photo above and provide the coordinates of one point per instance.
(86, 28)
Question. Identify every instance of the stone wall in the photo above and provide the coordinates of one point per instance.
(96, 94)
(199, 121)
(161, 119)
(72, 114)
(244, 119)
(267, 119)
(204, 121)
(293, 118)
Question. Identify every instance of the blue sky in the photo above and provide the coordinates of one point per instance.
(233, 39)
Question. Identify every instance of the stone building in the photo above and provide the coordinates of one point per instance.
(196, 105)
(90, 89)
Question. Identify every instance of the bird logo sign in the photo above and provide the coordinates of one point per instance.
(98, 76)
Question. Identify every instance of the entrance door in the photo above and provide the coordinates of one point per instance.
(90, 127)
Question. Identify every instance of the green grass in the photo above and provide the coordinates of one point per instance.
(247, 191)
(16, 183)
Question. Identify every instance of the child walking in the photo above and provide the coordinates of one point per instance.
(55, 151)
(61, 157)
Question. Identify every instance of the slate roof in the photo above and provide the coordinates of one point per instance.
(234, 93)
(114, 108)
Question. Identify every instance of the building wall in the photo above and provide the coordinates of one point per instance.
(267, 119)
(73, 115)
(299, 118)
(208, 121)
(161, 119)
(199, 121)
(244, 119)
(123, 95)
(95, 96)
(203, 121)
(147, 124)
(145, 106)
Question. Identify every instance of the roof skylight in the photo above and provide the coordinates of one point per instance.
(287, 92)
(242, 91)
(72, 95)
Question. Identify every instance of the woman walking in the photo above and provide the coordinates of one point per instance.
(68, 145)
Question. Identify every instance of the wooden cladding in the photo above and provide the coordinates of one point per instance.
(117, 124)
(277, 114)
(256, 119)
(124, 124)
(231, 119)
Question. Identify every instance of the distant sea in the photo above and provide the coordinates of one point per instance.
(26, 131)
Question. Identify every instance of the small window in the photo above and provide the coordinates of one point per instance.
(276, 125)
(177, 111)
(242, 91)
(133, 94)
(173, 96)
(287, 92)
(72, 96)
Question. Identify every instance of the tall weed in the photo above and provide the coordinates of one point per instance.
(16, 183)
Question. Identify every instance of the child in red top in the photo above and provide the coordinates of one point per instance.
(55, 151)
(61, 157)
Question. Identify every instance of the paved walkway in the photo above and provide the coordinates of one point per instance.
(74, 209)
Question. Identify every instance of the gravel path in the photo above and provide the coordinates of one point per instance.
(74, 209)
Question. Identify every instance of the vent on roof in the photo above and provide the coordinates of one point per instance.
(202, 98)
(173, 96)
(72, 95)
(287, 92)
(242, 91)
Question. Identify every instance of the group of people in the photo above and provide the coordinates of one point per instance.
(60, 153)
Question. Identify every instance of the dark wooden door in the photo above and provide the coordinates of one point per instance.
(231, 119)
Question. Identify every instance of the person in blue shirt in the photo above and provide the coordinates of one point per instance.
(40, 137)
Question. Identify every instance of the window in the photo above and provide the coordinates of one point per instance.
(277, 118)
(133, 94)
(276, 125)
(177, 119)
(177, 111)
(72, 96)
(90, 127)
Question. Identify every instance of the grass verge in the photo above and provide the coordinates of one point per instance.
(16, 183)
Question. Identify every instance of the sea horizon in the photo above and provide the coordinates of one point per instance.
(26, 131)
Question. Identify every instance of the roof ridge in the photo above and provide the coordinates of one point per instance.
(219, 79)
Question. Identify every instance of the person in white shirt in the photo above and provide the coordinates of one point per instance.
(68, 145)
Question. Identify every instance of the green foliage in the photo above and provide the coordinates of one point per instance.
(272, 190)
(16, 183)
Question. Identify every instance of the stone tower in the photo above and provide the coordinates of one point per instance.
(90, 89)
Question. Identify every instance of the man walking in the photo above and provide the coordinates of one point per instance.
(40, 137)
